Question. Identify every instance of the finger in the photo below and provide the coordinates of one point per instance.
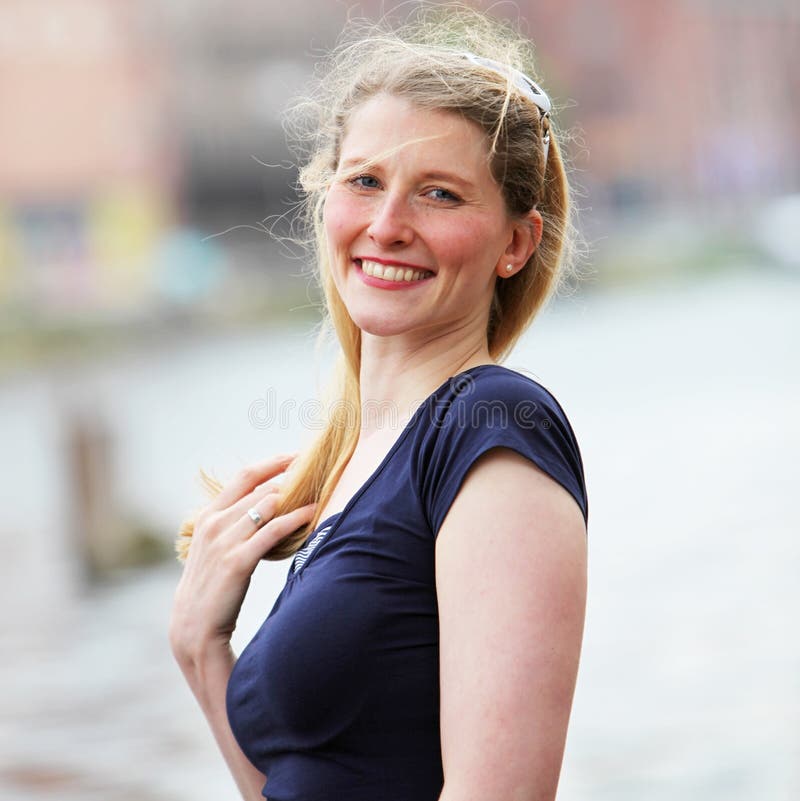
(248, 478)
(235, 523)
(269, 535)
(252, 517)
(252, 499)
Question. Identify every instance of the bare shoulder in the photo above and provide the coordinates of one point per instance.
(524, 504)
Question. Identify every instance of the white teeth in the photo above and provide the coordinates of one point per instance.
(391, 273)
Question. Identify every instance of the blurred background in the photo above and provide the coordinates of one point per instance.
(150, 326)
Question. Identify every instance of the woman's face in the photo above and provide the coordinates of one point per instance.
(413, 198)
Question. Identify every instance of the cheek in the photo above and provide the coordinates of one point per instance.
(339, 218)
(466, 241)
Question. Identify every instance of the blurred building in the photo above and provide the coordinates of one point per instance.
(687, 101)
(126, 126)
(89, 169)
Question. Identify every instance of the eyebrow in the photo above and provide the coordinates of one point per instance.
(448, 177)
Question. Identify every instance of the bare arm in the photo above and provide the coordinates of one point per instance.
(225, 550)
(207, 675)
(511, 583)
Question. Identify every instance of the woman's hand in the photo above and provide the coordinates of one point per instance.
(226, 548)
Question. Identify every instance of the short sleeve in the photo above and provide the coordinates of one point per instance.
(495, 408)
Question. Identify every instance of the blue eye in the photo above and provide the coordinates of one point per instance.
(442, 194)
(365, 181)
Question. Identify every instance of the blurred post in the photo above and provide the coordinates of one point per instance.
(98, 531)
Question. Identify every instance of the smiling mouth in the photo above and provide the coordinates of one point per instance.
(390, 272)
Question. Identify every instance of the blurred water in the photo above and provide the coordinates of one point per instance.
(684, 400)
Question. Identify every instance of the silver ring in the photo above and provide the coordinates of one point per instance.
(255, 516)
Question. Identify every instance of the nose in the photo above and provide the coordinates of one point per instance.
(391, 224)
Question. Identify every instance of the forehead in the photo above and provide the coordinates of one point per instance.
(389, 127)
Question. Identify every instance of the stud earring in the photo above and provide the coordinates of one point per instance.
(509, 268)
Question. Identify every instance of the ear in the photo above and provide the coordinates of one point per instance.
(526, 234)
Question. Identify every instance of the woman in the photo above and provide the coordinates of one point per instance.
(426, 643)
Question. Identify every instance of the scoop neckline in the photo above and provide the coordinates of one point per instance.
(336, 517)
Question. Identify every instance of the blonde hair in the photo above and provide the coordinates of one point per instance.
(422, 61)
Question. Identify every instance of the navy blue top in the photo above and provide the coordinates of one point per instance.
(337, 695)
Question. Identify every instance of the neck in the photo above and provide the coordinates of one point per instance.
(398, 374)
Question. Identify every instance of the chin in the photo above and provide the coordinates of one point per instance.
(379, 325)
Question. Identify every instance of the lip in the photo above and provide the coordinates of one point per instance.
(380, 283)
